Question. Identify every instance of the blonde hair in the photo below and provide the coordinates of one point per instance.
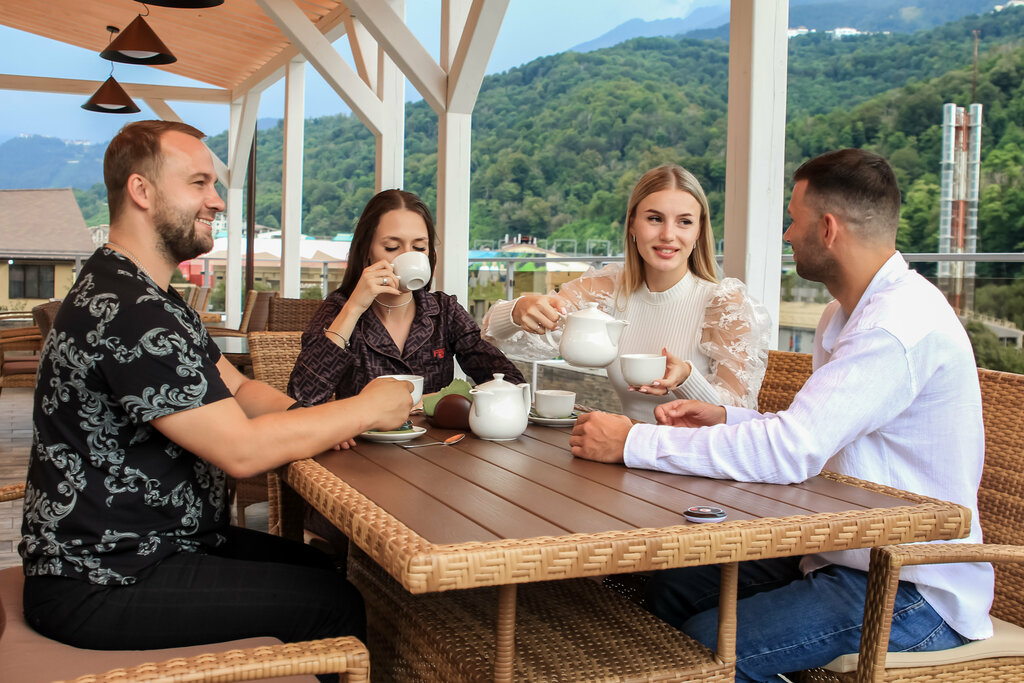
(702, 259)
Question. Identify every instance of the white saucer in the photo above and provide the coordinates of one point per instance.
(394, 437)
(554, 421)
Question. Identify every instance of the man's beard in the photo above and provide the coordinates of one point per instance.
(180, 240)
(814, 264)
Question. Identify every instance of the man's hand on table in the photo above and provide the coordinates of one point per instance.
(689, 413)
(600, 436)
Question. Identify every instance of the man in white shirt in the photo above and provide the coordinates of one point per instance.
(894, 398)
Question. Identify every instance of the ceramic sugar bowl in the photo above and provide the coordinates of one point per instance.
(500, 409)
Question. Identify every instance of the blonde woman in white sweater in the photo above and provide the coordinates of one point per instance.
(714, 335)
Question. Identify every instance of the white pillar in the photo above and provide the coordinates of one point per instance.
(234, 201)
(291, 179)
(390, 154)
(755, 156)
(453, 169)
(240, 135)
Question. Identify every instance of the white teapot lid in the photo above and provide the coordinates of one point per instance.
(498, 384)
(591, 312)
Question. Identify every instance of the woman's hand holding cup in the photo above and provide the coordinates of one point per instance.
(377, 278)
(675, 373)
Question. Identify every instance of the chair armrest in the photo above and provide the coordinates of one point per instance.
(883, 582)
(12, 492)
(345, 656)
(224, 332)
(29, 337)
(897, 556)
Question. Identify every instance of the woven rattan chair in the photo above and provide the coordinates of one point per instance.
(1001, 511)
(19, 359)
(202, 299)
(254, 316)
(273, 356)
(43, 315)
(785, 375)
(291, 314)
(28, 657)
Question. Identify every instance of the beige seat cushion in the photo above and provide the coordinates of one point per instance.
(1007, 641)
(27, 657)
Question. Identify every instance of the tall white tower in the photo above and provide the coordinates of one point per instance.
(958, 202)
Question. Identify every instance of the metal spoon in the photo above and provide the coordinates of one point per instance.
(454, 438)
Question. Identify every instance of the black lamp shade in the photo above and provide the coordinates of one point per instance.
(138, 44)
(110, 98)
(183, 4)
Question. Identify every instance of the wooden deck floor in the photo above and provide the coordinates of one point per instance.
(15, 441)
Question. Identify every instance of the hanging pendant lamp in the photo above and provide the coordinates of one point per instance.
(138, 44)
(110, 98)
(183, 4)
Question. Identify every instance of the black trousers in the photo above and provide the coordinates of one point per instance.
(253, 585)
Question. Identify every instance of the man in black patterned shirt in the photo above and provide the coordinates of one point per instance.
(126, 537)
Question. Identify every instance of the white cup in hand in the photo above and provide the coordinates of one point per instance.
(417, 386)
(639, 369)
(412, 269)
(554, 402)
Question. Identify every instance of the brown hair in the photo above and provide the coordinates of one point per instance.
(366, 230)
(702, 259)
(136, 149)
(857, 186)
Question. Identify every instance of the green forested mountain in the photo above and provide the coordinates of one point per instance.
(558, 142)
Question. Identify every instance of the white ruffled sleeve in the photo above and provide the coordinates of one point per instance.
(735, 337)
(595, 285)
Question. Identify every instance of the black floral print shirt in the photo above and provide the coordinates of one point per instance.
(441, 331)
(107, 494)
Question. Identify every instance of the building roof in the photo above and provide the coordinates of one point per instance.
(42, 224)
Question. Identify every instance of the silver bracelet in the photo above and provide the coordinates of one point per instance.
(344, 342)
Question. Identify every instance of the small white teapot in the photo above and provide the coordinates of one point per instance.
(590, 338)
(500, 409)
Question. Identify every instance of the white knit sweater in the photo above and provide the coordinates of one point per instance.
(693, 320)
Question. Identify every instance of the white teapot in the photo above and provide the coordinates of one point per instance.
(500, 409)
(590, 338)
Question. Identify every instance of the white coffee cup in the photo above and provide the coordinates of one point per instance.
(417, 385)
(412, 269)
(554, 402)
(639, 369)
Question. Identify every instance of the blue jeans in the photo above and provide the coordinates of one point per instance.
(788, 621)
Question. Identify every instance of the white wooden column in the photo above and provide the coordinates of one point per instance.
(468, 32)
(390, 152)
(240, 134)
(755, 156)
(291, 179)
(454, 144)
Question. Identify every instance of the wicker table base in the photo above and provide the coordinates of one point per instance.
(565, 631)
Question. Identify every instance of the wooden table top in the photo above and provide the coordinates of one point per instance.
(490, 513)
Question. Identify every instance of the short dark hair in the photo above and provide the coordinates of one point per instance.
(136, 149)
(858, 186)
(366, 229)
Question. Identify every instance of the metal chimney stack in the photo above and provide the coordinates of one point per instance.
(958, 202)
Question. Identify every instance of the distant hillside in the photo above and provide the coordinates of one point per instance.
(702, 17)
(558, 142)
(895, 16)
(35, 161)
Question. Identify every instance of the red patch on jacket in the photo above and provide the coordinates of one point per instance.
(438, 353)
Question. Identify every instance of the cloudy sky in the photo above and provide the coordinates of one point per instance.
(531, 29)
